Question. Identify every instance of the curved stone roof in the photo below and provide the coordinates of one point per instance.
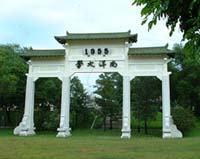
(39, 53)
(160, 50)
(96, 36)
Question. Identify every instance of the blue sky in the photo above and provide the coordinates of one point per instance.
(36, 22)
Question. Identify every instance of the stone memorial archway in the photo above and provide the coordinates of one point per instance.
(97, 52)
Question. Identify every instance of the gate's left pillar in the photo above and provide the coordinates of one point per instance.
(26, 126)
(126, 114)
(64, 129)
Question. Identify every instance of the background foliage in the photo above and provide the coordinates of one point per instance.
(186, 14)
(106, 107)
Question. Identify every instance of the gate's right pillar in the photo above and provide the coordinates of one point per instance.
(169, 128)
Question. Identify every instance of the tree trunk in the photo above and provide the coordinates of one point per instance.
(197, 110)
(138, 126)
(73, 120)
(145, 127)
(104, 123)
(8, 117)
(111, 126)
(76, 119)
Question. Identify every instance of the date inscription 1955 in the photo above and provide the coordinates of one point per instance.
(99, 51)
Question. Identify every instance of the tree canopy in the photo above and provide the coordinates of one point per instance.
(185, 79)
(78, 103)
(12, 79)
(109, 91)
(145, 99)
(184, 13)
(12, 71)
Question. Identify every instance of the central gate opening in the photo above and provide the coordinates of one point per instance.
(146, 105)
(96, 101)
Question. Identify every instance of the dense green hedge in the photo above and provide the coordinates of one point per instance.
(15, 118)
(183, 118)
(46, 120)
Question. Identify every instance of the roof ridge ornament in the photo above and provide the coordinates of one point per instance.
(166, 46)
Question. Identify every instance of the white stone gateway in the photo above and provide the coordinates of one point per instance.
(97, 52)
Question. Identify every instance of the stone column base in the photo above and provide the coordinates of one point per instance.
(25, 127)
(126, 134)
(173, 133)
(64, 132)
(22, 131)
(27, 133)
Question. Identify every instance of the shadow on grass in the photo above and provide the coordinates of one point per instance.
(89, 132)
(153, 132)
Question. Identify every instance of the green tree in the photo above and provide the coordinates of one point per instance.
(12, 79)
(185, 78)
(175, 66)
(48, 91)
(47, 96)
(79, 110)
(109, 91)
(184, 13)
(145, 97)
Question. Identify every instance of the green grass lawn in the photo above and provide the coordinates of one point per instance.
(87, 144)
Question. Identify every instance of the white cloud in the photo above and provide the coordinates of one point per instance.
(35, 22)
(55, 17)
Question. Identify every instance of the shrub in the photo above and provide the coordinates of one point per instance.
(46, 120)
(183, 118)
(51, 122)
